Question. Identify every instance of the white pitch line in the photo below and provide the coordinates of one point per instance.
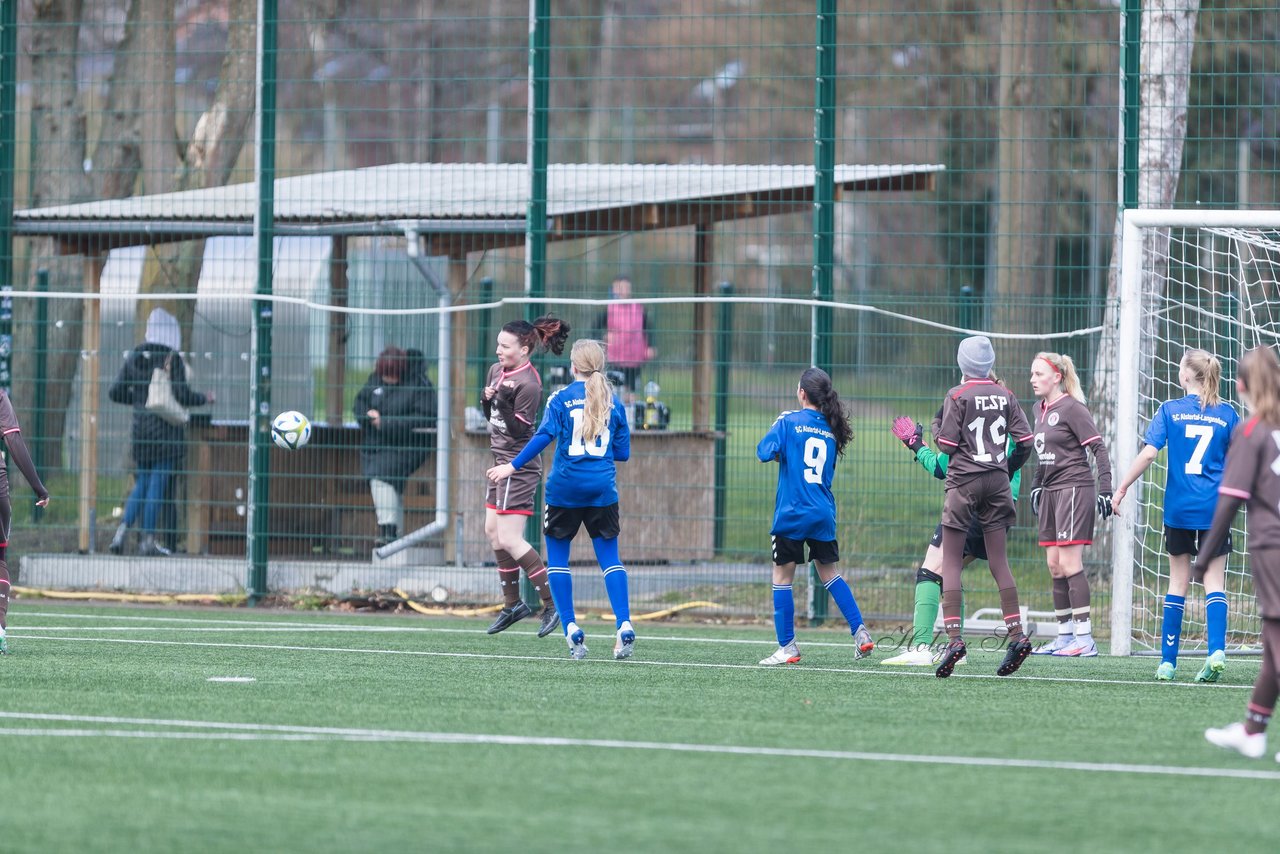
(284, 626)
(278, 732)
(633, 662)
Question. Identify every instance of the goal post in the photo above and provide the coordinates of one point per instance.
(1188, 278)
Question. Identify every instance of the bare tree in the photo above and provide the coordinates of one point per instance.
(58, 163)
(1168, 39)
(207, 157)
(1024, 219)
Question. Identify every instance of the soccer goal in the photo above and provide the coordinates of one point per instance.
(1188, 279)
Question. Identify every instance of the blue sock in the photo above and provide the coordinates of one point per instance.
(1171, 631)
(840, 592)
(784, 614)
(615, 578)
(1215, 618)
(560, 580)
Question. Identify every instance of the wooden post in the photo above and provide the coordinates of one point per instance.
(335, 373)
(458, 394)
(704, 329)
(90, 371)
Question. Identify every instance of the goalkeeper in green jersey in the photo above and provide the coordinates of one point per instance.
(928, 596)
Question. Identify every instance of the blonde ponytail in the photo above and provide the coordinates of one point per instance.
(587, 358)
(1206, 372)
(1067, 370)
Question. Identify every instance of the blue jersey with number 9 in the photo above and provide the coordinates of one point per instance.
(805, 448)
(583, 474)
(1198, 440)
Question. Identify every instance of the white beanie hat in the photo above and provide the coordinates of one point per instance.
(976, 356)
(162, 328)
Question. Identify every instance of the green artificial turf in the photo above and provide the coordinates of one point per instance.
(411, 713)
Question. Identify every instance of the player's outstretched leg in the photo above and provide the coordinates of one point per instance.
(784, 619)
(848, 605)
(928, 598)
(952, 618)
(513, 610)
(615, 585)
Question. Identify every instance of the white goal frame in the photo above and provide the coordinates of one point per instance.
(1130, 288)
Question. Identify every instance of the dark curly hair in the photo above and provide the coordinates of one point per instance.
(544, 333)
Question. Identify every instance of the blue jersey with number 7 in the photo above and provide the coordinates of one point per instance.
(1197, 441)
(805, 448)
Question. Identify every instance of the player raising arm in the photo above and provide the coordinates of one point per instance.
(1252, 477)
(806, 443)
(1197, 429)
(979, 417)
(589, 426)
(1063, 496)
(511, 397)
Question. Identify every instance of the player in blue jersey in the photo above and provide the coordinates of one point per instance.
(806, 443)
(1197, 429)
(589, 426)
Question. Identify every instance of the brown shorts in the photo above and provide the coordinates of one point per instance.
(1264, 564)
(986, 498)
(515, 494)
(1066, 516)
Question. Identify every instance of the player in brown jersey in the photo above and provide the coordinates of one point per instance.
(511, 399)
(22, 458)
(979, 417)
(1064, 498)
(1252, 477)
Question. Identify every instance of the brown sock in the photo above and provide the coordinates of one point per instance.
(1062, 605)
(1266, 688)
(1012, 613)
(508, 578)
(1078, 588)
(952, 595)
(536, 570)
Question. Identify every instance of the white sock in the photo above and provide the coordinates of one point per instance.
(1084, 629)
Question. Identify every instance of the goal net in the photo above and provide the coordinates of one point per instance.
(1188, 279)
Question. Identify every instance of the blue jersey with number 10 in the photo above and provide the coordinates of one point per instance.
(583, 474)
(805, 448)
(1198, 443)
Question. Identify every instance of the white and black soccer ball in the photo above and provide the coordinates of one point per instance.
(291, 430)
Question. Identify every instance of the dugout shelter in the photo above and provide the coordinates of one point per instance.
(451, 211)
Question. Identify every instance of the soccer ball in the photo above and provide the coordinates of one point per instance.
(291, 430)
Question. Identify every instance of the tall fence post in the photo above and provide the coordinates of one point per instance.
(824, 168)
(264, 236)
(535, 240)
(41, 391)
(724, 355)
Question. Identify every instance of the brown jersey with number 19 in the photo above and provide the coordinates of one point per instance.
(978, 417)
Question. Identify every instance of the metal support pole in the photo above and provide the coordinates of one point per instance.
(724, 356)
(40, 392)
(264, 236)
(535, 242)
(1130, 101)
(824, 193)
